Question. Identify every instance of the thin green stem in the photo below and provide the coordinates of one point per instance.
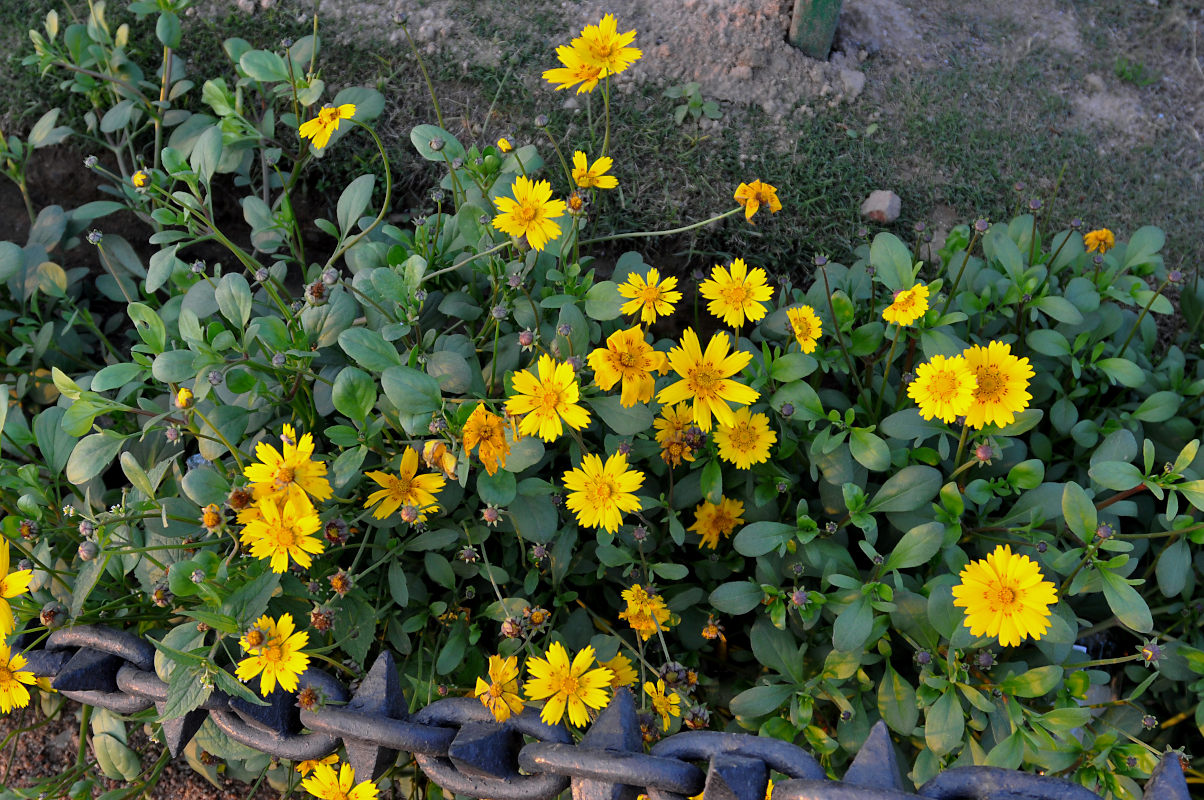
(430, 87)
(384, 206)
(1133, 331)
(222, 438)
(670, 232)
(85, 717)
(606, 105)
(836, 329)
(957, 281)
(890, 356)
(459, 264)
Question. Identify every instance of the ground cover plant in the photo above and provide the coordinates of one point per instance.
(957, 491)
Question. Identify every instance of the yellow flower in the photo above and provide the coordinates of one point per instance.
(406, 488)
(747, 440)
(671, 427)
(436, 456)
(649, 295)
(140, 178)
(595, 175)
(908, 306)
(487, 431)
(324, 784)
(667, 705)
(624, 671)
(806, 327)
(706, 379)
(293, 473)
(12, 584)
(503, 144)
(627, 357)
(711, 520)
(309, 765)
(600, 493)
(1002, 384)
(530, 212)
(573, 686)
(943, 388)
(547, 399)
(604, 47)
(183, 398)
(500, 694)
(13, 680)
(1100, 241)
(576, 70)
(274, 653)
(646, 613)
(1005, 595)
(756, 194)
(284, 530)
(320, 128)
(736, 294)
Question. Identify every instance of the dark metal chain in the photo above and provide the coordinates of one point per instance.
(459, 746)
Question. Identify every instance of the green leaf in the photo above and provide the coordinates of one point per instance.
(248, 602)
(453, 652)
(85, 582)
(451, 370)
(1062, 721)
(792, 367)
(135, 474)
(205, 485)
(711, 481)
(1143, 246)
(423, 135)
(1118, 476)
(892, 262)
(944, 724)
(115, 759)
(869, 451)
(623, 421)
(917, 547)
(1193, 492)
(1123, 371)
(227, 683)
(353, 201)
(262, 65)
(603, 301)
(439, 570)
(150, 328)
(174, 366)
(412, 392)
(370, 350)
(167, 30)
(908, 489)
(1079, 511)
(92, 455)
(115, 376)
(398, 587)
(1036, 682)
(671, 572)
(498, 489)
(206, 153)
(760, 700)
(1048, 342)
(233, 296)
(1126, 603)
(853, 626)
(736, 597)
(186, 691)
(777, 649)
(759, 538)
(1059, 308)
(354, 394)
(1159, 407)
(1008, 754)
(897, 703)
(1173, 566)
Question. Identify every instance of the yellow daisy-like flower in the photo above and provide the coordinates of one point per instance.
(671, 427)
(649, 295)
(309, 765)
(629, 358)
(500, 693)
(586, 175)
(756, 194)
(623, 669)
(943, 388)
(13, 584)
(646, 613)
(1100, 241)
(436, 456)
(274, 653)
(284, 530)
(293, 473)
(706, 379)
(183, 398)
(1002, 384)
(574, 686)
(322, 127)
(488, 432)
(712, 520)
(503, 144)
(324, 784)
(747, 440)
(599, 494)
(548, 399)
(908, 306)
(577, 69)
(406, 488)
(1005, 595)
(530, 213)
(604, 47)
(666, 704)
(13, 680)
(806, 327)
(736, 293)
(140, 179)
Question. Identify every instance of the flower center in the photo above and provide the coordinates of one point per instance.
(723, 522)
(328, 116)
(704, 379)
(568, 684)
(6, 675)
(627, 359)
(285, 536)
(944, 385)
(736, 295)
(495, 690)
(284, 476)
(743, 437)
(549, 399)
(603, 491)
(990, 385)
(525, 215)
(403, 486)
(273, 653)
(650, 294)
(802, 329)
(1004, 599)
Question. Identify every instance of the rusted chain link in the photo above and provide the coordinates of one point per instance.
(460, 747)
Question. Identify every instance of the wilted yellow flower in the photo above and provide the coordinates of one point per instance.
(575, 687)
(487, 431)
(712, 520)
(436, 456)
(140, 179)
(183, 398)
(623, 669)
(500, 694)
(586, 175)
(756, 194)
(805, 326)
(646, 613)
(547, 400)
(908, 306)
(322, 127)
(747, 440)
(671, 426)
(1100, 241)
(1005, 595)
(599, 494)
(274, 653)
(943, 388)
(309, 765)
(530, 213)
(649, 295)
(737, 293)
(628, 357)
(503, 144)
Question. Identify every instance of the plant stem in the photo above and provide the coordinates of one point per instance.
(957, 281)
(1132, 331)
(645, 234)
(430, 87)
(890, 356)
(848, 359)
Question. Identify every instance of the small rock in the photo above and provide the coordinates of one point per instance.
(854, 82)
(881, 206)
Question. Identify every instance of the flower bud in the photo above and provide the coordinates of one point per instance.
(436, 144)
(86, 527)
(95, 237)
(91, 161)
(53, 615)
(541, 121)
(215, 378)
(330, 276)
(981, 225)
(512, 628)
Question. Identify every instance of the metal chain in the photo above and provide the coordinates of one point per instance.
(460, 747)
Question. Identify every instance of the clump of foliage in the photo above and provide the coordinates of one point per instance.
(957, 494)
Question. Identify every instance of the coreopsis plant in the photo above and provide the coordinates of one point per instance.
(956, 493)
